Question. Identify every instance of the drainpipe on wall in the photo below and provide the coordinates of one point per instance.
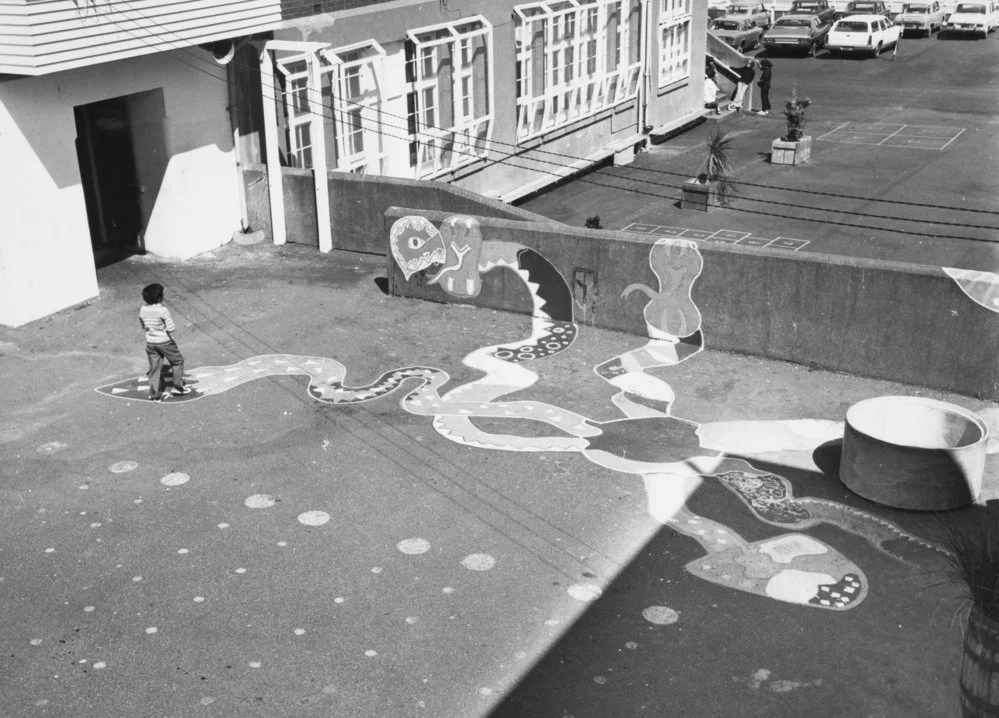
(244, 215)
(643, 88)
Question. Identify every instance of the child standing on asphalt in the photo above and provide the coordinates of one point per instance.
(746, 75)
(159, 327)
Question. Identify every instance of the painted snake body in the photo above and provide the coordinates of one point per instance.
(671, 454)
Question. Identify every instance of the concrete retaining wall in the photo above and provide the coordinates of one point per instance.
(358, 204)
(886, 320)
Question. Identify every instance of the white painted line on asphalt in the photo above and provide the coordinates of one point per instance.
(953, 138)
(892, 135)
(833, 130)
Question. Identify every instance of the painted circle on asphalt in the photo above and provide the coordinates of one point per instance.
(313, 518)
(585, 591)
(478, 562)
(122, 467)
(260, 501)
(413, 546)
(51, 447)
(661, 615)
(175, 479)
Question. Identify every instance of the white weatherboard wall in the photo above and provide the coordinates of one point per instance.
(46, 260)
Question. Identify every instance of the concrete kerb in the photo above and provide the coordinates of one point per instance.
(879, 319)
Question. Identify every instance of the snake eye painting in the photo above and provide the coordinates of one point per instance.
(671, 454)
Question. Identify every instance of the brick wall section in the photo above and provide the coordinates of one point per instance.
(291, 9)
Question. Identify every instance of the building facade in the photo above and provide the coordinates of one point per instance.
(114, 138)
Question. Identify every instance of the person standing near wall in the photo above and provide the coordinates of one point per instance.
(746, 74)
(158, 326)
(766, 71)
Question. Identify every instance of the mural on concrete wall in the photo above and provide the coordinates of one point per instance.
(673, 455)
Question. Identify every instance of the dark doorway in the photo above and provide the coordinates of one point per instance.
(110, 181)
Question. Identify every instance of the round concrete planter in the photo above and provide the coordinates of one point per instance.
(914, 453)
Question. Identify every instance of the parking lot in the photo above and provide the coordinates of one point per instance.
(904, 161)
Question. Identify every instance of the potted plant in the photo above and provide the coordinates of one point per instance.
(795, 147)
(713, 186)
(973, 564)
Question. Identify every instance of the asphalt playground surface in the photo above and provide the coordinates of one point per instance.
(904, 163)
(258, 553)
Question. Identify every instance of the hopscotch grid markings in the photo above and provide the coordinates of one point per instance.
(725, 236)
(926, 133)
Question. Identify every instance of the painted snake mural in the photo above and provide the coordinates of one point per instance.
(671, 454)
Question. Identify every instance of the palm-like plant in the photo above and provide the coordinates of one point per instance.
(717, 164)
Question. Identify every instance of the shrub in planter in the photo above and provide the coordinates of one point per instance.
(713, 185)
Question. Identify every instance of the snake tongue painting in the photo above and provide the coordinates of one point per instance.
(672, 455)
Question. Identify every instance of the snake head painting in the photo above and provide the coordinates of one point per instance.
(417, 244)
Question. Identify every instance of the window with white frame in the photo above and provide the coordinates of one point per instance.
(351, 92)
(450, 102)
(574, 58)
(674, 40)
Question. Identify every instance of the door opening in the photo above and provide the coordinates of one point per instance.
(111, 187)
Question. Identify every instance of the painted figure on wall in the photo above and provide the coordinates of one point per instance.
(673, 455)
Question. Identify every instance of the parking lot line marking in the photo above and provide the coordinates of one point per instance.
(954, 138)
(892, 135)
(834, 130)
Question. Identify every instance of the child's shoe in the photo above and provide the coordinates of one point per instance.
(181, 392)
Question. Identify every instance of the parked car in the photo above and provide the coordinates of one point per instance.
(740, 33)
(920, 17)
(977, 18)
(863, 34)
(865, 7)
(798, 33)
(754, 11)
(819, 8)
(717, 8)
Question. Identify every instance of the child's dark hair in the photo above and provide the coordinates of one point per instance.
(153, 293)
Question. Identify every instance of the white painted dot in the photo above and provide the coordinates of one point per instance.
(478, 562)
(995, 301)
(88, 609)
(254, 664)
(520, 655)
(137, 501)
(95, 525)
(100, 664)
(136, 578)
(585, 591)
(447, 589)
(413, 546)
(35, 641)
(206, 701)
(313, 518)
(50, 550)
(411, 619)
(51, 447)
(661, 615)
(122, 467)
(376, 569)
(485, 691)
(299, 631)
(260, 501)
(199, 599)
(240, 570)
(42, 702)
(182, 551)
(339, 599)
(152, 629)
(631, 645)
(175, 479)
(84, 487)
(551, 622)
(370, 654)
(599, 679)
(282, 543)
(223, 526)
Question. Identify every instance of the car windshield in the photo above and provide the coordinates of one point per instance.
(726, 25)
(806, 6)
(971, 8)
(738, 11)
(862, 7)
(792, 22)
(916, 9)
(851, 26)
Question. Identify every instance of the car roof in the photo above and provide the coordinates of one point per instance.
(868, 17)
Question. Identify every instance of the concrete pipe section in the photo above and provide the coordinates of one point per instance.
(914, 453)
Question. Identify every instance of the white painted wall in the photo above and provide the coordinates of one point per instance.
(46, 261)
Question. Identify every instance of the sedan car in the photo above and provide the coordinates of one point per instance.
(799, 33)
(973, 18)
(866, 34)
(923, 18)
(756, 12)
(866, 7)
(741, 34)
